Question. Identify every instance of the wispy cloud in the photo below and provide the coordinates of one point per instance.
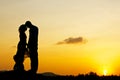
(72, 40)
(14, 46)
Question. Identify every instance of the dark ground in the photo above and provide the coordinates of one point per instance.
(12, 75)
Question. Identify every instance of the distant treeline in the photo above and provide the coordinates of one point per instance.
(90, 76)
(11, 75)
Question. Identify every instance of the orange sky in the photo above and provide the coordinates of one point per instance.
(88, 33)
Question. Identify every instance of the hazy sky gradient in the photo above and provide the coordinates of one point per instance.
(96, 21)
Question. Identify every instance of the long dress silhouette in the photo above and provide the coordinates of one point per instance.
(21, 48)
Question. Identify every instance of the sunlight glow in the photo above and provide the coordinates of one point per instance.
(105, 72)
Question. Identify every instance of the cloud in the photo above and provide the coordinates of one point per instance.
(72, 40)
(14, 46)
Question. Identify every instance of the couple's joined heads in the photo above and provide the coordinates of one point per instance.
(23, 27)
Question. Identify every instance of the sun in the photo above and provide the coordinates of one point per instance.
(105, 72)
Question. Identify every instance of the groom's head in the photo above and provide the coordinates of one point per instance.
(28, 24)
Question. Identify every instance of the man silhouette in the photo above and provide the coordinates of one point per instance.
(33, 46)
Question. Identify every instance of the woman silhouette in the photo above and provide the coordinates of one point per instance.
(21, 49)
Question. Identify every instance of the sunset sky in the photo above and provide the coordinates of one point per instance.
(75, 36)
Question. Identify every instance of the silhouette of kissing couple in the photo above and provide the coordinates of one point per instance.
(27, 49)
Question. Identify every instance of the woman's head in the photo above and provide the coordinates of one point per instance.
(22, 28)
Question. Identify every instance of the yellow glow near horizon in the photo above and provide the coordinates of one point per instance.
(105, 72)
